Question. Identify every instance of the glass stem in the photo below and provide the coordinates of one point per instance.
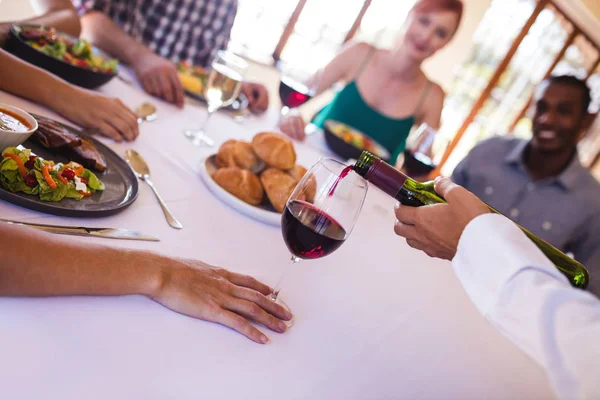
(273, 296)
(211, 111)
(284, 111)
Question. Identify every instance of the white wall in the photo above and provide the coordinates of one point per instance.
(442, 66)
(14, 10)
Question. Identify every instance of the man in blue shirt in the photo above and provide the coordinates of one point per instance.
(540, 183)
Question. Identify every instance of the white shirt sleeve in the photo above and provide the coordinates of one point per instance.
(520, 292)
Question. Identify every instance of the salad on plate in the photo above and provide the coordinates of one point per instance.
(23, 171)
(76, 52)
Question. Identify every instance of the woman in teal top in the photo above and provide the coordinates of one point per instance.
(387, 92)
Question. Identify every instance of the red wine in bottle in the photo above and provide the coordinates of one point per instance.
(412, 193)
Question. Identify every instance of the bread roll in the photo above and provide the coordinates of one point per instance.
(278, 186)
(241, 183)
(275, 150)
(234, 153)
(310, 190)
(224, 156)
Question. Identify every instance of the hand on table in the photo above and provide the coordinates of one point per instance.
(214, 294)
(159, 78)
(293, 125)
(109, 116)
(436, 229)
(258, 96)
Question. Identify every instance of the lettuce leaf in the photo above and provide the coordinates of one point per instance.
(94, 183)
(73, 194)
(46, 192)
(10, 176)
(56, 49)
(23, 154)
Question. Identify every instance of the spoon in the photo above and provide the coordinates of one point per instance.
(146, 112)
(141, 170)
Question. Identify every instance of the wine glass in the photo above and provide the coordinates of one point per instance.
(423, 149)
(321, 212)
(222, 88)
(296, 87)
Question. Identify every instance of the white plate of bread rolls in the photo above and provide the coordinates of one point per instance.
(256, 178)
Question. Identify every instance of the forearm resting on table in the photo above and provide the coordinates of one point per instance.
(30, 82)
(104, 33)
(59, 14)
(36, 263)
(65, 20)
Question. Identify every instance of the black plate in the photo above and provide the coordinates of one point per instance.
(121, 187)
(79, 76)
(238, 104)
(348, 150)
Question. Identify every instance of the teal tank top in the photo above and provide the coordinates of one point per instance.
(349, 107)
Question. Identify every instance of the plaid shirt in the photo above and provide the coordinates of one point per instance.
(179, 30)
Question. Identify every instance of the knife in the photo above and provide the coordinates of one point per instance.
(107, 233)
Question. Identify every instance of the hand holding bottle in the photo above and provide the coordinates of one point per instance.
(416, 194)
(436, 229)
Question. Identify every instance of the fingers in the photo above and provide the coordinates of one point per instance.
(121, 119)
(132, 120)
(445, 187)
(415, 244)
(151, 84)
(254, 312)
(164, 82)
(178, 95)
(260, 98)
(405, 230)
(124, 124)
(293, 126)
(241, 325)
(107, 130)
(244, 281)
(405, 214)
(166, 90)
(299, 128)
(266, 304)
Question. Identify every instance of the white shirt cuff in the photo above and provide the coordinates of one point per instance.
(491, 250)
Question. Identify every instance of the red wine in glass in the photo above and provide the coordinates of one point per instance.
(293, 94)
(417, 164)
(309, 233)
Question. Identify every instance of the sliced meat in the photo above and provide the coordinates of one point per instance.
(87, 155)
(52, 135)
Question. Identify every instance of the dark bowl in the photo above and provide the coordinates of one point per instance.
(79, 76)
(348, 150)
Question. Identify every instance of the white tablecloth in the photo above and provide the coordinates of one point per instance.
(375, 320)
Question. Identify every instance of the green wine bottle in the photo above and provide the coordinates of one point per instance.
(415, 194)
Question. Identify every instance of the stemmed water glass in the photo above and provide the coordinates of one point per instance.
(321, 212)
(222, 88)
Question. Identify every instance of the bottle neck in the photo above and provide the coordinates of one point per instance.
(380, 174)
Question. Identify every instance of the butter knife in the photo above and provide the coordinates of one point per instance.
(107, 233)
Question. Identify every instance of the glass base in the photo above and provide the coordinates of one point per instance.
(282, 304)
(277, 299)
(198, 138)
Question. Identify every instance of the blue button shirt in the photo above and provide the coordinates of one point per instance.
(563, 210)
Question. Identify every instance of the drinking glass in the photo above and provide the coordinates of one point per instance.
(296, 86)
(424, 148)
(222, 88)
(321, 212)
